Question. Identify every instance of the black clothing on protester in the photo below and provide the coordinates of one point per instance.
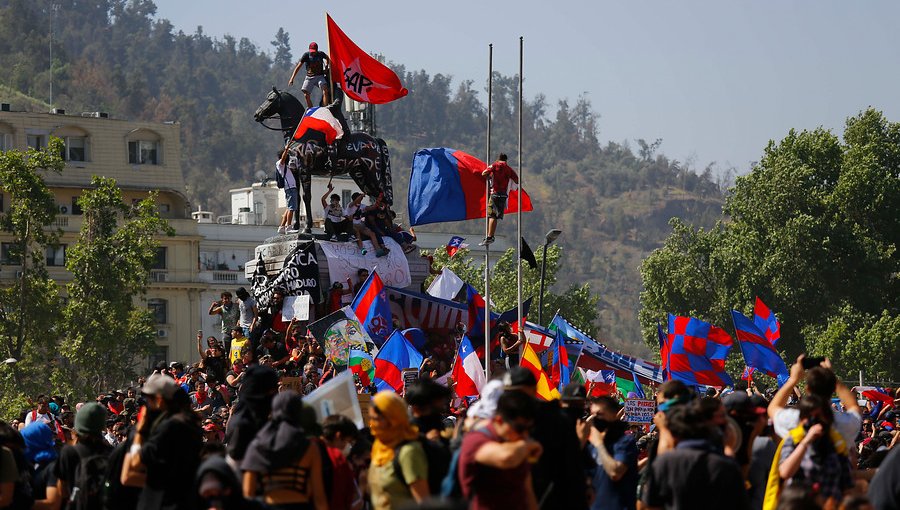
(553, 430)
(171, 455)
(118, 496)
(884, 489)
(252, 409)
(695, 476)
(282, 441)
(234, 501)
(70, 457)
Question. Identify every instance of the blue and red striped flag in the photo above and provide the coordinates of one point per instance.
(663, 351)
(373, 310)
(446, 185)
(455, 244)
(766, 321)
(395, 356)
(555, 361)
(759, 353)
(697, 352)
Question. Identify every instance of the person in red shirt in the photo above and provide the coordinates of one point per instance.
(495, 461)
(339, 434)
(500, 174)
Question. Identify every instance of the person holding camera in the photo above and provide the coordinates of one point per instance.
(615, 452)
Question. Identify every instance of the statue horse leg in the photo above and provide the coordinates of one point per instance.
(306, 182)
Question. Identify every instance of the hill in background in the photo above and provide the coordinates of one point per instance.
(611, 201)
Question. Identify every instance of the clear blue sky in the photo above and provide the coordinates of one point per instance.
(715, 79)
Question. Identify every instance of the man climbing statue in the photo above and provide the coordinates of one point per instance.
(500, 174)
(315, 73)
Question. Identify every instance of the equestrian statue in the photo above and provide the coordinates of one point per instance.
(364, 157)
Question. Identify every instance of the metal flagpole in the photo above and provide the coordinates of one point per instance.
(330, 74)
(487, 246)
(519, 210)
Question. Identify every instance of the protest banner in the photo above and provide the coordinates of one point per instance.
(337, 396)
(293, 383)
(345, 259)
(410, 376)
(299, 275)
(639, 410)
(295, 307)
(338, 333)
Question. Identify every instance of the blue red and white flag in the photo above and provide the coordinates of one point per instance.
(555, 361)
(767, 322)
(373, 310)
(456, 243)
(759, 353)
(360, 75)
(697, 352)
(318, 120)
(879, 395)
(600, 382)
(395, 356)
(446, 185)
(468, 372)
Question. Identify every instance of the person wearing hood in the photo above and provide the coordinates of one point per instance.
(279, 463)
(40, 452)
(90, 421)
(396, 437)
(218, 488)
(250, 412)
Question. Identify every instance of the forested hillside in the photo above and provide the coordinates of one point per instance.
(612, 201)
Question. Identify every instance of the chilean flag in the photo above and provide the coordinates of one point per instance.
(395, 356)
(360, 75)
(373, 310)
(321, 120)
(456, 243)
(446, 185)
(468, 371)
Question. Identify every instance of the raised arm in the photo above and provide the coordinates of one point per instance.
(327, 191)
(780, 400)
(199, 347)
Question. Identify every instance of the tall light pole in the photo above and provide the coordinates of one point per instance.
(551, 236)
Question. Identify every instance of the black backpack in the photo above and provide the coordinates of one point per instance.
(279, 179)
(90, 486)
(438, 456)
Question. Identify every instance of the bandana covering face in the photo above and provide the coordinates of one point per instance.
(395, 429)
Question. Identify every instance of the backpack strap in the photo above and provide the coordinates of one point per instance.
(398, 472)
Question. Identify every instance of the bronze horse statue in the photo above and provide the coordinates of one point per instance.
(364, 157)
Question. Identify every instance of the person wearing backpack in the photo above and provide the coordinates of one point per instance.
(395, 437)
(428, 401)
(285, 172)
(82, 468)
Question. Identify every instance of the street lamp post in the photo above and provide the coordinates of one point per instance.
(551, 236)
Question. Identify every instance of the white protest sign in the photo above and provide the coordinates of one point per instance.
(295, 307)
(337, 396)
(639, 410)
(345, 259)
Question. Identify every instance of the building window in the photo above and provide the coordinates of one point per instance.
(159, 309)
(9, 254)
(1, 203)
(36, 142)
(76, 148)
(143, 152)
(159, 261)
(345, 197)
(76, 209)
(56, 255)
(159, 354)
(6, 142)
(164, 208)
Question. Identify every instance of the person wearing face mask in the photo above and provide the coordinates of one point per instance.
(813, 454)
(394, 484)
(615, 452)
(339, 434)
(219, 489)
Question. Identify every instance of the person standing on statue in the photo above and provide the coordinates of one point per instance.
(500, 174)
(315, 73)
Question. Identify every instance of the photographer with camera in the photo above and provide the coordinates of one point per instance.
(615, 452)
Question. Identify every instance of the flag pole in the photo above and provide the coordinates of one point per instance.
(487, 246)
(328, 42)
(521, 324)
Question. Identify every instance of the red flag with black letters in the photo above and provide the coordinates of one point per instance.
(360, 76)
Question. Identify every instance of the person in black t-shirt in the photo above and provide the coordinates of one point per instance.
(315, 73)
(273, 350)
(90, 421)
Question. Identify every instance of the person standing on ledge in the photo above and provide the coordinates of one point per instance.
(315, 73)
(500, 174)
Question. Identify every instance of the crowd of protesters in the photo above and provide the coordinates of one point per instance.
(227, 433)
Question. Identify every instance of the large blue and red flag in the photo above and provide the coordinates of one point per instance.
(373, 310)
(879, 395)
(455, 244)
(697, 352)
(663, 350)
(555, 361)
(446, 185)
(395, 356)
(759, 353)
(766, 321)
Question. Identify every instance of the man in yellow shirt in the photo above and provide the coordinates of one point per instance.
(238, 340)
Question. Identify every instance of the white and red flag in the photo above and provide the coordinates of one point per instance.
(361, 76)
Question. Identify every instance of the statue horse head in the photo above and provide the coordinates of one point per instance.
(284, 106)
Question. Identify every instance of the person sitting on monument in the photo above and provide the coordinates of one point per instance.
(335, 221)
(500, 174)
(378, 220)
(355, 213)
(315, 73)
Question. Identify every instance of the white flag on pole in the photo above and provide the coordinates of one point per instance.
(446, 285)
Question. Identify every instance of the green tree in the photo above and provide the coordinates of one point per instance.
(28, 307)
(813, 230)
(105, 332)
(577, 303)
(282, 45)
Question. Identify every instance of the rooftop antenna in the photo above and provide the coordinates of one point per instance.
(53, 9)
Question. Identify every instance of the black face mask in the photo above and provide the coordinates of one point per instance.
(429, 422)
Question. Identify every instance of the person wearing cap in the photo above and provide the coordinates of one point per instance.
(90, 421)
(167, 444)
(315, 73)
(247, 308)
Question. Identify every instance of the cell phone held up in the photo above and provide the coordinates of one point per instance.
(814, 361)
